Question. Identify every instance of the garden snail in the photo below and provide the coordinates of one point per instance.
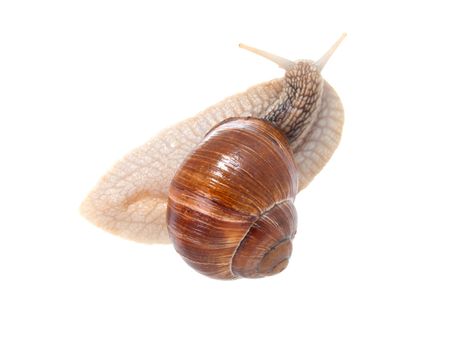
(221, 185)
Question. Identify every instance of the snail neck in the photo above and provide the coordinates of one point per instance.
(298, 105)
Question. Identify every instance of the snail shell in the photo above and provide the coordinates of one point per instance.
(230, 210)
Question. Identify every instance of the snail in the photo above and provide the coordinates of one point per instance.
(221, 185)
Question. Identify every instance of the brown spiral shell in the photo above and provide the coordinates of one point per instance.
(230, 209)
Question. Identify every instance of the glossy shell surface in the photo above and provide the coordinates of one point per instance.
(230, 211)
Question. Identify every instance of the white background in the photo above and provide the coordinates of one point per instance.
(380, 257)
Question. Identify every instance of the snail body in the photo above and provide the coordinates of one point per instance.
(221, 185)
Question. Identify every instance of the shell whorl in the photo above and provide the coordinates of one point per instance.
(230, 211)
(266, 248)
